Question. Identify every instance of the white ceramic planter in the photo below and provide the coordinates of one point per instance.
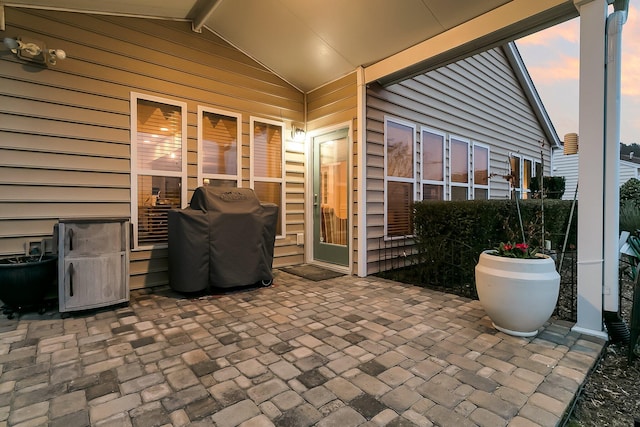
(519, 295)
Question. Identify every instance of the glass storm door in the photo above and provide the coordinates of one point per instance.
(330, 197)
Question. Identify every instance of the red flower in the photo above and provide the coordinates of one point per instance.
(517, 250)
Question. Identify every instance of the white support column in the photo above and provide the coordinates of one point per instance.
(593, 14)
(361, 146)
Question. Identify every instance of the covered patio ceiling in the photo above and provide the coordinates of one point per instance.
(312, 42)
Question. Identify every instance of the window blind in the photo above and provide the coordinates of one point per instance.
(399, 208)
(267, 139)
(219, 144)
(159, 136)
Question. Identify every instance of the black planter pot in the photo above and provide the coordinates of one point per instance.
(25, 281)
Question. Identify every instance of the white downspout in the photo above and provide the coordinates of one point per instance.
(615, 21)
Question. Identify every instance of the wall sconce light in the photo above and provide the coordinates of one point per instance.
(34, 50)
(298, 134)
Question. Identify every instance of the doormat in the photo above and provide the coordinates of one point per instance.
(312, 272)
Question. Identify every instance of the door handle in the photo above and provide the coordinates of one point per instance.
(70, 233)
(315, 200)
(71, 272)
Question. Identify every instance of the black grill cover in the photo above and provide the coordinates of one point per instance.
(224, 239)
(188, 250)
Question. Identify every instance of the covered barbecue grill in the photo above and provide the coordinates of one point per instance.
(224, 239)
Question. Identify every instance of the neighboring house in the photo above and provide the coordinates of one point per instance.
(142, 112)
(566, 165)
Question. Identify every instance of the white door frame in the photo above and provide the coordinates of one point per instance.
(308, 190)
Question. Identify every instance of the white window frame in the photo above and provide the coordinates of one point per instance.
(253, 179)
(473, 170)
(227, 177)
(135, 171)
(452, 184)
(444, 163)
(520, 190)
(388, 179)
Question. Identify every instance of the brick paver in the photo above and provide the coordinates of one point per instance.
(341, 352)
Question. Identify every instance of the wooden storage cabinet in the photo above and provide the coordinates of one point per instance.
(93, 263)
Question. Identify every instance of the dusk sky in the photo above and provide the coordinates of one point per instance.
(552, 58)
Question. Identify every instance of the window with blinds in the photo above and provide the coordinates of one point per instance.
(399, 209)
(432, 165)
(267, 165)
(480, 172)
(219, 152)
(399, 177)
(459, 168)
(158, 165)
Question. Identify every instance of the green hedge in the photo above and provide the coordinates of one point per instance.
(451, 235)
(483, 224)
(554, 187)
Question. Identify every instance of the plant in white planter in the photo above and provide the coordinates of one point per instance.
(517, 288)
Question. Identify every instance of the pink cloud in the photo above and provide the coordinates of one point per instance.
(631, 54)
(558, 68)
(555, 65)
(552, 59)
(568, 31)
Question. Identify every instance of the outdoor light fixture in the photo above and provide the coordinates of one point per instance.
(34, 50)
(298, 134)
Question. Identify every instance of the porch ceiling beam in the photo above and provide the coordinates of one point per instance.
(505, 23)
(201, 12)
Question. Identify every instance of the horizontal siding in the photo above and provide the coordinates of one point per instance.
(61, 145)
(64, 129)
(43, 160)
(628, 170)
(26, 193)
(478, 98)
(63, 178)
(165, 48)
(567, 166)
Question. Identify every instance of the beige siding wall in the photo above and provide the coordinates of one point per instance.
(478, 98)
(332, 104)
(64, 130)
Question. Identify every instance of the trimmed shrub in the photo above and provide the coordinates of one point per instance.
(630, 190)
(451, 235)
(554, 187)
(483, 224)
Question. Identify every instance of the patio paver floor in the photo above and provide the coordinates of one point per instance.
(342, 352)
